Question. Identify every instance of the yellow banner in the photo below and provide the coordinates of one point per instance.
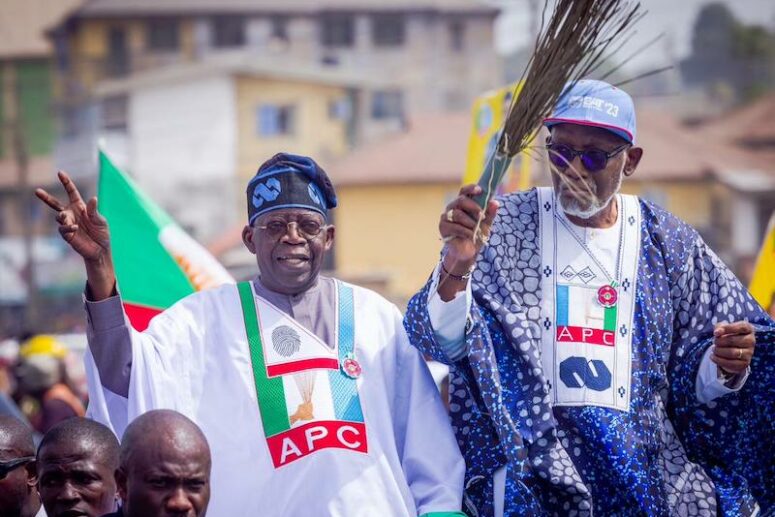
(763, 281)
(488, 113)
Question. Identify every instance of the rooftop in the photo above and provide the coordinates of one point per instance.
(244, 63)
(432, 150)
(752, 125)
(110, 8)
(23, 22)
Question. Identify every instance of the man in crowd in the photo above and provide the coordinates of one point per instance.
(41, 376)
(306, 387)
(18, 494)
(76, 462)
(164, 468)
(602, 356)
(9, 354)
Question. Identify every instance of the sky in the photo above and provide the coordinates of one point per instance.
(674, 17)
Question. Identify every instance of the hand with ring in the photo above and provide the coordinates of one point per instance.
(734, 345)
(461, 218)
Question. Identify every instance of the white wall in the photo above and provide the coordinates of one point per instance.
(182, 150)
(746, 232)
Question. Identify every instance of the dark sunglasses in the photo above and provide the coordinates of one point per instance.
(594, 160)
(7, 466)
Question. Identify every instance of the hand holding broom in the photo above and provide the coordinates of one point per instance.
(571, 45)
(462, 219)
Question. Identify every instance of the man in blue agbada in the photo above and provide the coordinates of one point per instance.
(603, 359)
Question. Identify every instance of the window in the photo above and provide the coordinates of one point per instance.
(337, 30)
(387, 30)
(328, 60)
(61, 51)
(117, 64)
(162, 35)
(228, 31)
(74, 120)
(280, 28)
(275, 120)
(457, 36)
(387, 104)
(114, 112)
(340, 109)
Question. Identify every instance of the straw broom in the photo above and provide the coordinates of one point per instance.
(571, 45)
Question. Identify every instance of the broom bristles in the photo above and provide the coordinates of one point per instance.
(570, 46)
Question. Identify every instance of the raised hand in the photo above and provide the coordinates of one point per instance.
(86, 230)
(464, 228)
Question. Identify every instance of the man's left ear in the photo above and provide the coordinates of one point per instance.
(32, 473)
(634, 154)
(330, 233)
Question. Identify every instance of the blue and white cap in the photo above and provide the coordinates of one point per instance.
(289, 181)
(596, 103)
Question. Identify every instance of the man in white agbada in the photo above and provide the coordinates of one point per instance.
(306, 387)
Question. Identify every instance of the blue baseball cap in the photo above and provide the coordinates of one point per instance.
(596, 103)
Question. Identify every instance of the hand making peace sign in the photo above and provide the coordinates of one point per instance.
(86, 230)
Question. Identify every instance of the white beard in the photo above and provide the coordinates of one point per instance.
(596, 205)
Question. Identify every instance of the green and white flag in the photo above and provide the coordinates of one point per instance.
(157, 263)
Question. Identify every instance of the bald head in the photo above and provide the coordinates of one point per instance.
(77, 459)
(16, 436)
(165, 428)
(164, 466)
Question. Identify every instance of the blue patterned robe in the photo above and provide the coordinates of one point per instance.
(670, 454)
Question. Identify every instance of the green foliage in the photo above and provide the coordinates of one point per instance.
(34, 90)
(753, 42)
(728, 52)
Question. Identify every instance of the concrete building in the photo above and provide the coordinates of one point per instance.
(27, 135)
(190, 92)
(27, 127)
(440, 52)
(194, 134)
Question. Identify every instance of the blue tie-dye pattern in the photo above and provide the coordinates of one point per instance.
(670, 455)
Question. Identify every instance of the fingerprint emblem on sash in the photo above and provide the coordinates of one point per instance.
(285, 341)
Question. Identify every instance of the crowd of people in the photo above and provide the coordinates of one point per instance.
(36, 384)
(603, 361)
(162, 467)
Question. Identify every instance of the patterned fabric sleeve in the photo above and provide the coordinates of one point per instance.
(474, 430)
(733, 436)
(478, 421)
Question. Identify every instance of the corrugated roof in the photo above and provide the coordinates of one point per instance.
(245, 63)
(23, 23)
(750, 123)
(432, 150)
(107, 8)
(674, 151)
(750, 130)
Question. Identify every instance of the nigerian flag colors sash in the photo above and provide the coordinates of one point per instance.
(588, 304)
(306, 391)
(156, 262)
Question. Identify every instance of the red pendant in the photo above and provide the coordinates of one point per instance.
(607, 296)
